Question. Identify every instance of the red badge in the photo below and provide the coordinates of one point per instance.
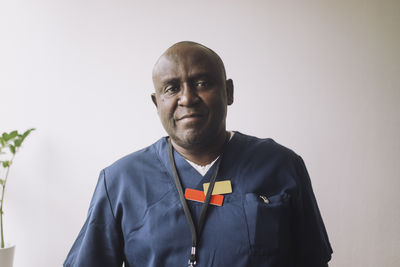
(197, 195)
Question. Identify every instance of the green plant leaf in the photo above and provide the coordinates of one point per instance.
(18, 142)
(12, 135)
(12, 149)
(6, 164)
(27, 132)
(1, 182)
(2, 141)
(5, 137)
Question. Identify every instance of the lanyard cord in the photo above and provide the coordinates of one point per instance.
(192, 259)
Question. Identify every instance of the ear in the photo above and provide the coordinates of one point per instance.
(229, 91)
(154, 99)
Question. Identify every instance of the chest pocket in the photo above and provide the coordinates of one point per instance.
(268, 222)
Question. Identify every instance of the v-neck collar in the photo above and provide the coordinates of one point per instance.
(190, 177)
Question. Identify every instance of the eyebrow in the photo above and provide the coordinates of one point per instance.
(170, 80)
(200, 75)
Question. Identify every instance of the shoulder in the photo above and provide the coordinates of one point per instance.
(262, 148)
(136, 167)
(141, 175)
(138, 159)
(266, 157)
(263, 165)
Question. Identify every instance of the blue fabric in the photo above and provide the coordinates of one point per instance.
(136, 217)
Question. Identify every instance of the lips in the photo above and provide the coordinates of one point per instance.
(190, 115)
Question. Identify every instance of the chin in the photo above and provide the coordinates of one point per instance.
(195, 138)
(191, 139)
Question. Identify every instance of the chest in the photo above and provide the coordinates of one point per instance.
(255, 219)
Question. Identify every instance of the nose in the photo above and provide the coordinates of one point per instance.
(188, 96)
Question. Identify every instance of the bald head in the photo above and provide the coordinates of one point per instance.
(184, 49)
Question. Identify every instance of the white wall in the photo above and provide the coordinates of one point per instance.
(321, 77)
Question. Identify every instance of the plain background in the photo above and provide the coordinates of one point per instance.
(321, 77)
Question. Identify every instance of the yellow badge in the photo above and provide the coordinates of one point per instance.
(220, 187)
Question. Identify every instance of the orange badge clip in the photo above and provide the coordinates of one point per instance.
(197, 195)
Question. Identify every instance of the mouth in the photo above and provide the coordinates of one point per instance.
(190, 116)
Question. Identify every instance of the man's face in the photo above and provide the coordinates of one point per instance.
(191, 95)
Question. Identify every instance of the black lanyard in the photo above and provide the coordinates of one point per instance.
(195, 235)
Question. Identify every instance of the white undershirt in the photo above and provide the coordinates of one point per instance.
(204, 169)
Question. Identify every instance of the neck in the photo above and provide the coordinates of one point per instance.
(202, 155)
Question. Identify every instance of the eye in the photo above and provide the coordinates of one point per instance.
(170, 89)
(201, 83)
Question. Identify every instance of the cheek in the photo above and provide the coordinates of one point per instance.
(165, 111)
(217, 105)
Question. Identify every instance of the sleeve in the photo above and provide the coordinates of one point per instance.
(99, 242)
(311, 243)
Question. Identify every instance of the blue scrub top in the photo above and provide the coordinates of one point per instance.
(136, 216)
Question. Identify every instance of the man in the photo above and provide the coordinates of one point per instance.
(258, 210)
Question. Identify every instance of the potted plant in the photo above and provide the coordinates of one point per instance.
(10, 143)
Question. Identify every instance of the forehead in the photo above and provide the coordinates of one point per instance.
(186, 62)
